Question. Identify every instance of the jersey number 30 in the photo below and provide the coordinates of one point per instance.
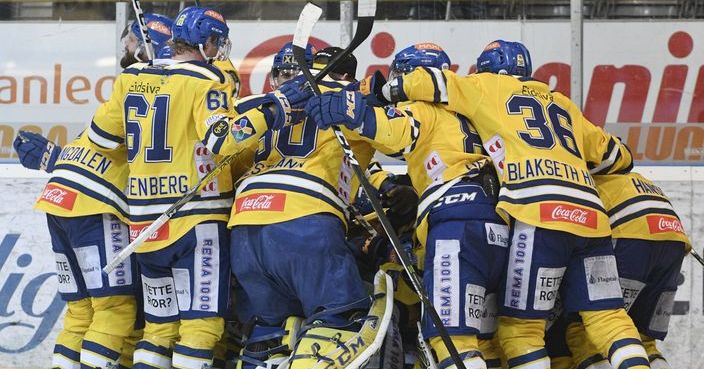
(157, 151)
(539, 133)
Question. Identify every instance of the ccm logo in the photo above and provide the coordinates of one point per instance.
(160, 235)
(659, 224)
(568, 213)
(58, 196)
(261, 202)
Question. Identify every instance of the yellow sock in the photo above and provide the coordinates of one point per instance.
(615, 337)
(67, 350)
(523, 342)
(467, 347)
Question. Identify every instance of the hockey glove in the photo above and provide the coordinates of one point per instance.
(371, 87)
(286, 103)
(348, 108)
(35, 151)
(393, 90)
(402, 201)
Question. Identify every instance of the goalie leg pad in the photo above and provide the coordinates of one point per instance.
(269, 347)
(324, 346)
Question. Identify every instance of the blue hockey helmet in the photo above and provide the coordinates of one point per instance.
(159, 29)
(285, 67)
(425, 54)
(505, 57)
(194, 25)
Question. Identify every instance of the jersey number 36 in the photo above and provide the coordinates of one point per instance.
(540, 134)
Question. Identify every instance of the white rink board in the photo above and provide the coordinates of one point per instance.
(30, 309)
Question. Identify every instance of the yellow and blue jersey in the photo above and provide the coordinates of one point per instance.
(87, 180)
(444, 146)
(298, 171)
(544, 149)
(171, 117)
(639, 209)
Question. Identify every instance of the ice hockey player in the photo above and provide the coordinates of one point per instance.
(464, 239)
(86, 214)
(159, 28)
(288, 247)
(543, 149)
(345, 70)
(168, 118)
(650, 244)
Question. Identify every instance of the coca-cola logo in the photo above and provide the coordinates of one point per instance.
(58, 196)
(660, 224)
(261, 202)
(161, 234)
(551, 212)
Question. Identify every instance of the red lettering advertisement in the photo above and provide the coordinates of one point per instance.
(555, 212)
(663, 223)
(261, 202)
(160, 235)
(58, 196)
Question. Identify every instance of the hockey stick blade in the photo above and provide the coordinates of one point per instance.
(366, 10)
(306, 21)
(303, 32)
(163, 218)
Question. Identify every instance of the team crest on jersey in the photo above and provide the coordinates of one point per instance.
(220, 128)
(59, 196)
(392, 112)
(242, 130)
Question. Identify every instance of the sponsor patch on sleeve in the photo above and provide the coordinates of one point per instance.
(243, 129)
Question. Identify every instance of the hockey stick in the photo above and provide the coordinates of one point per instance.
(696, 256)
(143, 29)
(366, 11)
(163, 218)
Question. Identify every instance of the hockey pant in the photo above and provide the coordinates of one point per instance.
(186, 291)
(102, 309)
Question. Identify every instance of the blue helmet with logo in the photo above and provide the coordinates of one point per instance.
(425, 54)
(194, 25)
(159, 29)
(285, 67)
(505, 57)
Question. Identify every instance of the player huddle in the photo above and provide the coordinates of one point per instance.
(537, 244)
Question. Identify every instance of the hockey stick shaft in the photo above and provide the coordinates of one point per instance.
(696, 255)
(136, 5)
(163, 218)
(309, 16)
